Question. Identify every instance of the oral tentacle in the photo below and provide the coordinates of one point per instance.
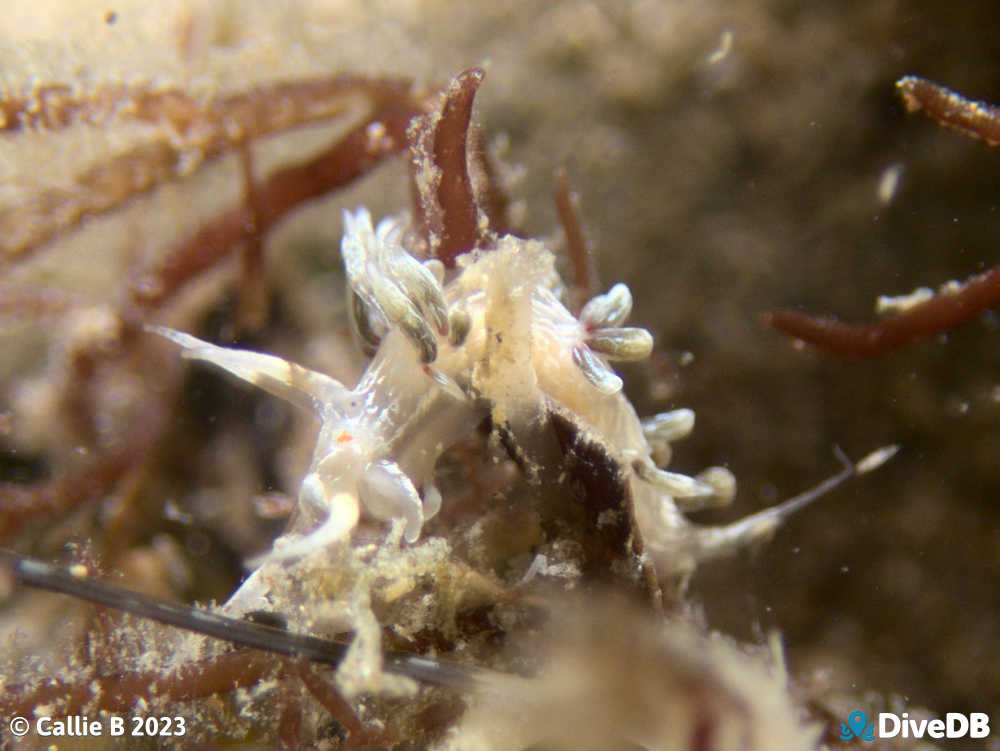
(308, 389)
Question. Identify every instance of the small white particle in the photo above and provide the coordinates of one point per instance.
(722, 51)
(886, 305)
(377, 137)
(950, 287)
(888, 183)
(420, 662)
(876, 459)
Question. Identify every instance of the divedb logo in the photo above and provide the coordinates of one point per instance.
(891, 725)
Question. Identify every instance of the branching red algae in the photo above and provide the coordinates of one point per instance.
(189, 132)
(350, 157)
(584, 273)
(444, 197)
(941, 313)
(120, 691)
(951, 109)
(944, 311)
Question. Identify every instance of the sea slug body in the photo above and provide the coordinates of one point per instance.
(489, 338)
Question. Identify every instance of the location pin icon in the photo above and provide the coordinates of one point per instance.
(858, 722)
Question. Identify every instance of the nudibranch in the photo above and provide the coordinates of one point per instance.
(494, 341)
(479, 332)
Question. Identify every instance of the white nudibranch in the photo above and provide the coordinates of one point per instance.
(491, 338)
